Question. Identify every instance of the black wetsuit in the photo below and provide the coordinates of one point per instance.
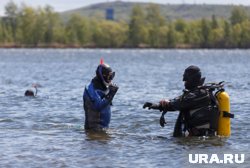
(198, 112)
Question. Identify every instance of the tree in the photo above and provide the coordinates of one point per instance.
(154, 16)
(54, 26)
(110, 34)
(215, 24)
(192, 34)
(171, 36)
(180, 28)
(6, 34)
(1, 32)
(238, 15)
(154, 22)
(236, 35)
(205, 33)
(217, 38)
(28, 19)
(245, 34)
(227, 34)
(11, 11)
(137, 30)
(29, 26)
(77, 30)
(40, 26)
(163, 32)
(180, 25)
(58, 34)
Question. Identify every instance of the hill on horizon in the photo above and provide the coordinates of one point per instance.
(122, 10)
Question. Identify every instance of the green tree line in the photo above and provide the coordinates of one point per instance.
(24, 26)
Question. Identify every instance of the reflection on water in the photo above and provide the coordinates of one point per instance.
(47, 131)
(201, 141)
(99, 135)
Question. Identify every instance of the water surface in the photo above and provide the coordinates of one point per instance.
(47, 131)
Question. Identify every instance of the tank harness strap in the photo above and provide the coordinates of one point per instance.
(212, 97)
(182, 115)
(178, 128)
(227, 114)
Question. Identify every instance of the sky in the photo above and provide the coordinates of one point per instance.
(63, 5)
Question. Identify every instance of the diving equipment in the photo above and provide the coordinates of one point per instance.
(224, 124)
(105, 73)
(223, 99)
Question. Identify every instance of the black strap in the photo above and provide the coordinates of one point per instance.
(178, 126)
(227, 114)
(163, 113)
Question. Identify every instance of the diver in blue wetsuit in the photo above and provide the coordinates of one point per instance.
(97, 98)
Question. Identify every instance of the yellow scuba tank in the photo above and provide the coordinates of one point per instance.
(224, 126)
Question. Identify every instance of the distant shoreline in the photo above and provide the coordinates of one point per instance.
(97, 47)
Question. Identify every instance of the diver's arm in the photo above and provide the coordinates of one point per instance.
(98, 101)
(185, 101)
(163, 105)
(35, 86)
(36, 90)
(170, 105)
(153, 106)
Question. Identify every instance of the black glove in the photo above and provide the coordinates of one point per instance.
(147, 104)
(152, 106)
(113, 88)
(162, 121)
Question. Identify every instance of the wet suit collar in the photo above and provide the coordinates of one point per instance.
(98, 84)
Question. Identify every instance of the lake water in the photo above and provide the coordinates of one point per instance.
(47, 131)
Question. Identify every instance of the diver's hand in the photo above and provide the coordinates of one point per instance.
(113, 88)
(162, 121)
(147, 104)
(151, 106)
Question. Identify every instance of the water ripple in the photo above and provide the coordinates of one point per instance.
(48, 131)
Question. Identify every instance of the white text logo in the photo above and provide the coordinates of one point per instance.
(226, 158)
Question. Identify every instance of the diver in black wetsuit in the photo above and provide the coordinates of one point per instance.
(198, 108)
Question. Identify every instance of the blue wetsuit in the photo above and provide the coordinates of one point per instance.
(97, 101)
